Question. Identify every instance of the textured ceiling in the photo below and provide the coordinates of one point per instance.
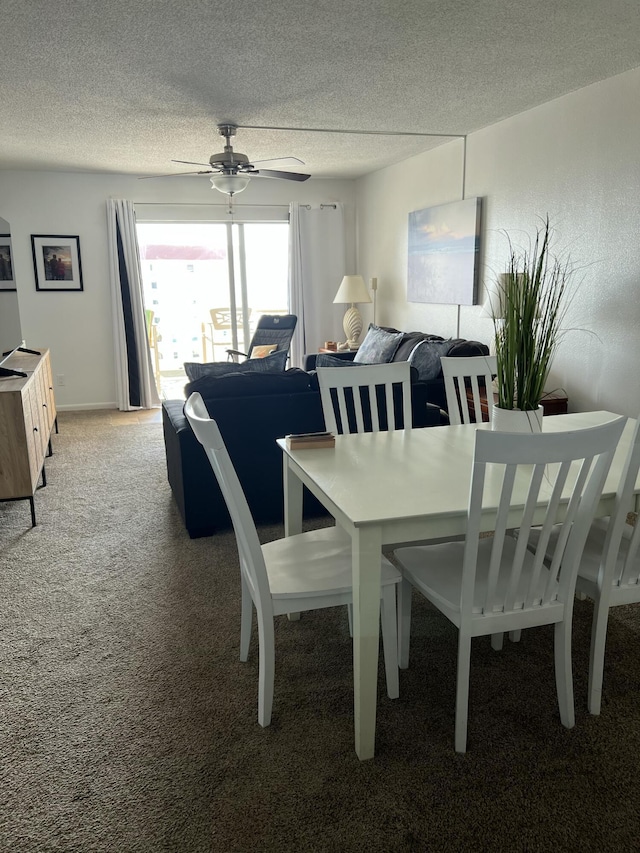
(126, 86)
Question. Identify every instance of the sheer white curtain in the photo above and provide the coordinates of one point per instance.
(317, 258)
(135, 383)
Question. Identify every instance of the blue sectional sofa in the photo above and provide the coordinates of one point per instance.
(253, 409)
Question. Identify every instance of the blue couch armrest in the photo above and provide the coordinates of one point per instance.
(250, 426)
(309, 359)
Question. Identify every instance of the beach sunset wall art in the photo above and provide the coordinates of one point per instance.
(444, 243)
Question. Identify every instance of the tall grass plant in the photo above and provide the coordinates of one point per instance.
(531, 303)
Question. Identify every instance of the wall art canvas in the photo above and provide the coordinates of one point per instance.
(56, 260)
(444, 243)
(6, 264)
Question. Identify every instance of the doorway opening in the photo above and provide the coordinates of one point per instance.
(206, 285)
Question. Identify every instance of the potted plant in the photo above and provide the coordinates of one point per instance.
(532, 301)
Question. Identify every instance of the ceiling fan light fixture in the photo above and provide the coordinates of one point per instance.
(230, 184)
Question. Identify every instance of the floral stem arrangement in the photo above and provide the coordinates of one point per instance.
(528, 320)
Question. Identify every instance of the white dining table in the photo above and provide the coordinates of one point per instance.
(402, 486)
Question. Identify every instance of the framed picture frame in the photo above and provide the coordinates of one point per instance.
(56, 260)
(444, 245)
(7, 281)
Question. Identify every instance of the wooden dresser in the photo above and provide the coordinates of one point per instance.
(27, 417)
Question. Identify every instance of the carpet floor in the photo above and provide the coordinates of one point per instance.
(128, 722)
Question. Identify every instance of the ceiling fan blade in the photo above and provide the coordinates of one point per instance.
(288, 176)
(174, 175)
(284, 161)
(191, 163)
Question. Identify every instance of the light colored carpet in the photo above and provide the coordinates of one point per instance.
(128, 723)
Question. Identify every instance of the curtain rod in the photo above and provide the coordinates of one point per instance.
(321, 206)
(199, 204)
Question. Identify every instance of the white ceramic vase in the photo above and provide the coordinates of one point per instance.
(516, 420)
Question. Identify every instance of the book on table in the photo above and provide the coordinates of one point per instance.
(310, 440)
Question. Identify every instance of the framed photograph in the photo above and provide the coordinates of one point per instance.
(444, 243)
(7, 281)
(56, 260)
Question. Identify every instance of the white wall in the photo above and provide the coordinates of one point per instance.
(10, 330)
(77, 327)
(575, 158)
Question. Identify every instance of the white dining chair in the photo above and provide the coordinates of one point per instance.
(496, 584)
(609, 570)
(474, 373)
(309, 571)
(357, 399)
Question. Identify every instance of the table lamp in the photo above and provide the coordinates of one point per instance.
(352, 289)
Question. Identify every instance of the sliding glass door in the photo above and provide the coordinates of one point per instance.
(205, 287)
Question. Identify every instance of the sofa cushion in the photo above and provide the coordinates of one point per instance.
(274, 363)
(250, 384)
(408, 344)
(310, 358)
(462, 347)
(378, 347)
(323, 359)
(426, 355)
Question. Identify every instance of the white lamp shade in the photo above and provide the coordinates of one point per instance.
(352, 289)
(230, 184)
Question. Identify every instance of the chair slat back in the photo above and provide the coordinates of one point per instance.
(465, 373)
(251, 558)
(356, 399)
(542, 480)
(630, 574)
(620, 551)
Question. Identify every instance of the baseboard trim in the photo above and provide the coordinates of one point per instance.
(83, 407)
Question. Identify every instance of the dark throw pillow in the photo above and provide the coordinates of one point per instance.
(409, 342)
(425, 357)
(378, 346)
(323, 359)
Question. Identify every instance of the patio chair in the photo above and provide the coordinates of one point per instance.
(217, 332)
(273, 334)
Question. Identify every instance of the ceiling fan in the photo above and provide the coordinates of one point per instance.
(231, 171)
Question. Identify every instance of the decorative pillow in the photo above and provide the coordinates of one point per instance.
(378, 346)
(274, 363)
(323, 359)
(265, 349)
(425, 356)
